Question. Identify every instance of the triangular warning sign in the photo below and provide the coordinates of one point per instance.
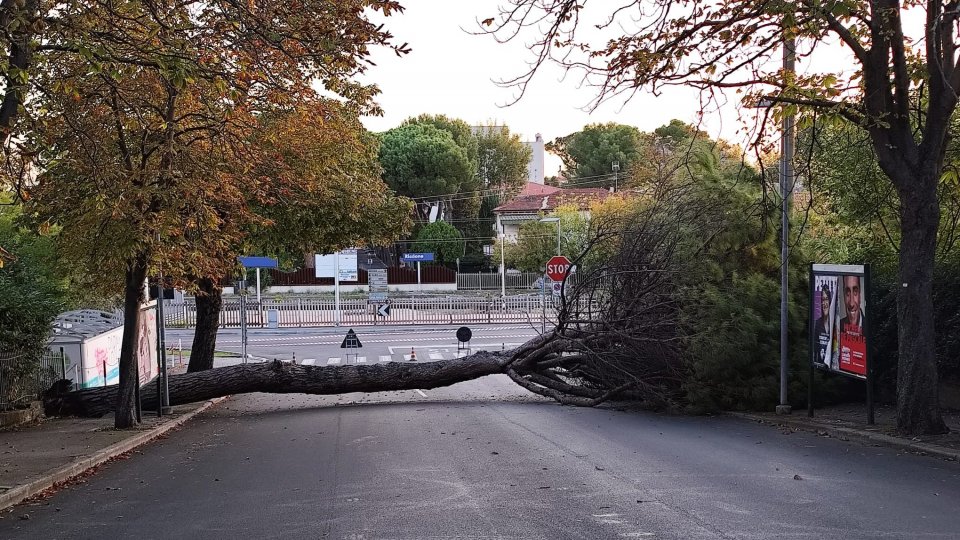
(351, 341)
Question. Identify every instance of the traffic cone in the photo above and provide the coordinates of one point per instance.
(413, 355)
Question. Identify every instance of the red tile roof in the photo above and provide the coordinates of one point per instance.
(582, 197)
(533, 188)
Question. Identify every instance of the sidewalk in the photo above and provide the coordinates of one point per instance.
(849, 422)
(36, 457)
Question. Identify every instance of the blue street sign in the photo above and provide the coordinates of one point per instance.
(258, 262)
(415, 257)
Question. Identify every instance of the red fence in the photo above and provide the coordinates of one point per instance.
(395, 276)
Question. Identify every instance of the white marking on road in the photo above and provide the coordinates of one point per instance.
(309, 361)
(419, 391)
(386, 358)
(461, 354)
(436, 356)
(605, 515)
(333, 360)
(498, 345)
(361, 359)
(280, 341)
(406, 357)
(636, 535)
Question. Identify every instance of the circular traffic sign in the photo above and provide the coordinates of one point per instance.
(558, 267)
(464, 334)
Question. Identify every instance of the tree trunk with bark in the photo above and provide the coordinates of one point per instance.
(124, 401)
(918, 404)
(286, 378)
(209, 304)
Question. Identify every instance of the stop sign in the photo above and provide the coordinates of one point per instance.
(558, 267)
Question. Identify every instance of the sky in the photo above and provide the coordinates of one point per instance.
(452, 72)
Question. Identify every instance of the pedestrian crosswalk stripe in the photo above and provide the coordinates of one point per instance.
(333, 360)
(361, 359)
(309, 361)
(385, 358)
(406, 357)
(436, 356)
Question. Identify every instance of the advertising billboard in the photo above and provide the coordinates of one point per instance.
(838, 317)
(342, 264)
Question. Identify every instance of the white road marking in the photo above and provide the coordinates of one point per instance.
(436, 356)
(386, 358)
(421, 392)
(474, 346)
(280, 341)
(309, 361)
(605, 515)
(406, 357)
(333, 360)
(361, 359)
(461, 354)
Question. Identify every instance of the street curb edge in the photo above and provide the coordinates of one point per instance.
(850, 433)
(21, 493)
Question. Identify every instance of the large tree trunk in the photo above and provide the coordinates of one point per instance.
(125, 399)
(209, 304)
(285, 378)
(918, 404)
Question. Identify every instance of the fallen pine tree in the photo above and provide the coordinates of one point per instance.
(658, 313)
(523, 365)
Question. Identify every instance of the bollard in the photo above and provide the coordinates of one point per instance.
(413, 355)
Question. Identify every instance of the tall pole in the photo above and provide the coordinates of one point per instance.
(243, 319)
(159, 349)
(259, 308)
(786, 190)
(163, 397)
(336, 288)
(503, 265)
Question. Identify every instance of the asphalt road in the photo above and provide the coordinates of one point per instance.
(321, 346)
(484, 460)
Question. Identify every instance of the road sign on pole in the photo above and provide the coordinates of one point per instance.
(417, 257)
(383, 310)
(558, 267)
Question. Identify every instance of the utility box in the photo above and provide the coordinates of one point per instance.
(91, 340)
(273, 318)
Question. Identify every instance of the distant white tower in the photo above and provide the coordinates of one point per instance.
(535, 171)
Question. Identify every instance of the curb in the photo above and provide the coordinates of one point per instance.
(850, 433)
(48, 480)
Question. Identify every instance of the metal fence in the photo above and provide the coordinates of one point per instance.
(313, 312)
(24, 377)
(491, 281)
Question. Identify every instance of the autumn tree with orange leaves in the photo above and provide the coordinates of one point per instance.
(140, 121)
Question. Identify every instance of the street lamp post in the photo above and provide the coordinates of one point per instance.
(786, 189)
(616, 175)
(557, 221)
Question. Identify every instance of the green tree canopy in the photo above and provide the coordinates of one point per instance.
(33, 286)
(421, 160)
(537, 241)
(503, 160)
(441, 239)
(588, 155)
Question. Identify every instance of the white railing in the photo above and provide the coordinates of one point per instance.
(491, 281)
(312, 312)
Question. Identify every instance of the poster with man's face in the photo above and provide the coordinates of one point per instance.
(838, 315)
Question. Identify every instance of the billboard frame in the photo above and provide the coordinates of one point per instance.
(840, 270)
